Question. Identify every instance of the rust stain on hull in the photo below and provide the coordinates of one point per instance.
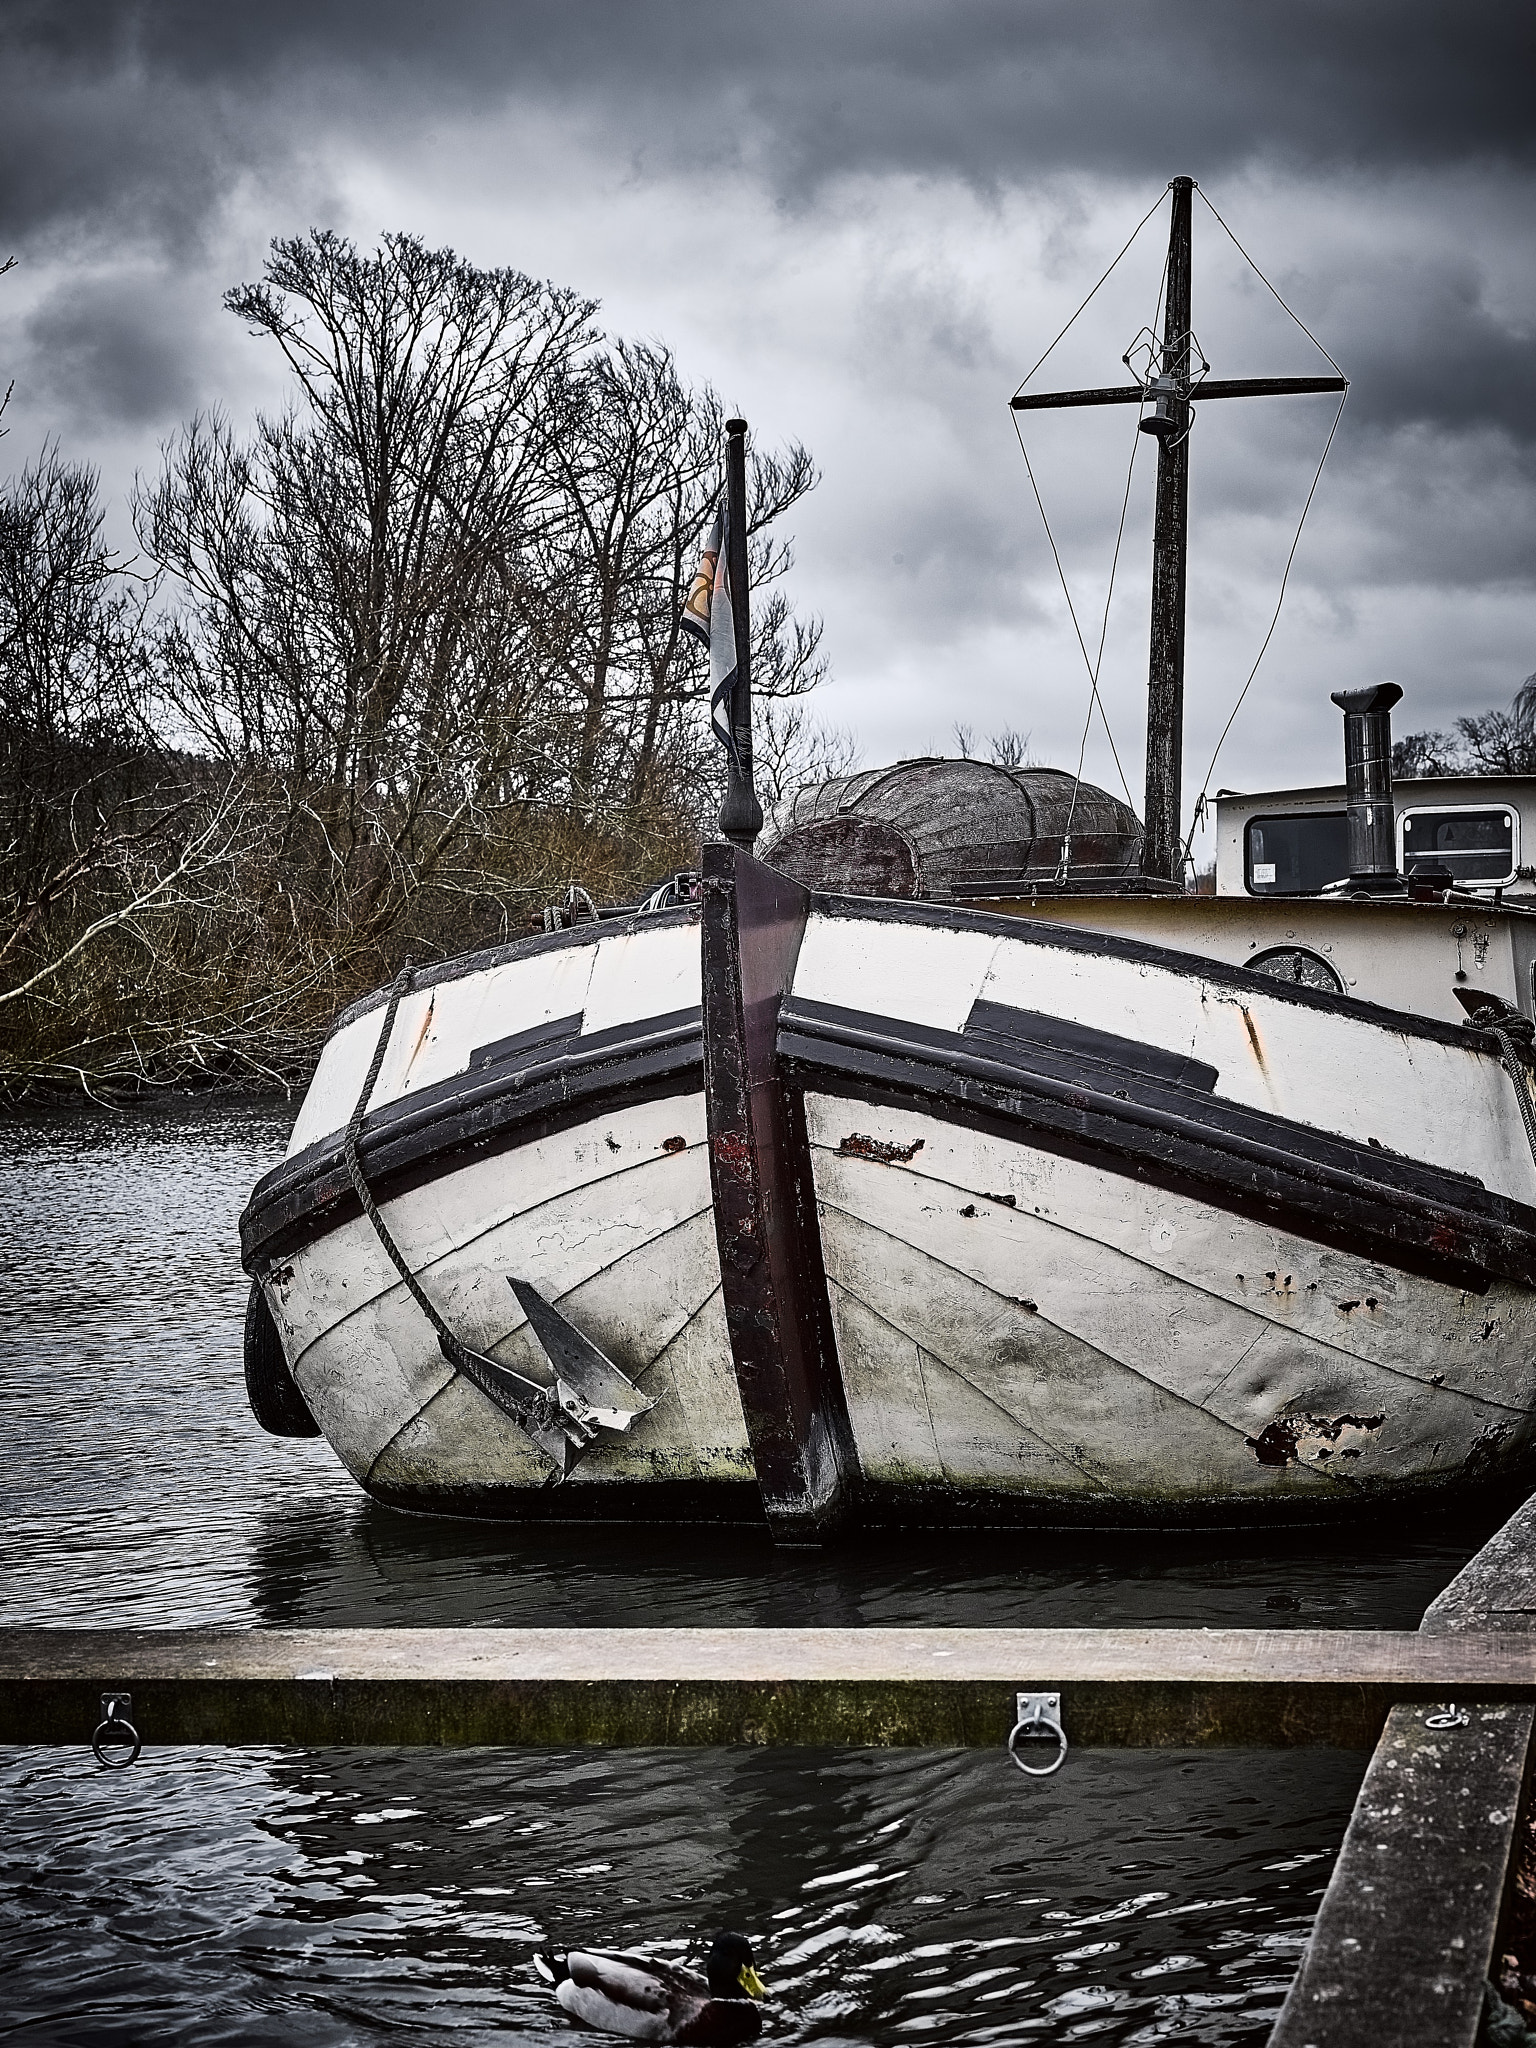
(1256, 1042)
(1279, 1442)
(857, 1146)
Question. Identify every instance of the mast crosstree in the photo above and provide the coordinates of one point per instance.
(1172, 387)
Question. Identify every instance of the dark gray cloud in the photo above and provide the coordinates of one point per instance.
(119, 349)
(1379, 154)
(989, 90)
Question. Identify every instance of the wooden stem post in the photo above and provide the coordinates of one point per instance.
(741, 815)
(1162, 853)
(771, 1278)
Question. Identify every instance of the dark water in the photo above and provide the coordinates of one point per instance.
(342, 1895)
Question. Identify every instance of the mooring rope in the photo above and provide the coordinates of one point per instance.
(484, 1373)
(1513, 1034)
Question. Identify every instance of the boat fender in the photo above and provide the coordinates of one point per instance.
(270, 1387)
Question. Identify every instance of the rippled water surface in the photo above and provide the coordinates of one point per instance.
(334, 1896)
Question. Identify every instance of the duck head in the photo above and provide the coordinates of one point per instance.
(729, 1968)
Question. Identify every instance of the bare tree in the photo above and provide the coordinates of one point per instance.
(73, 729)
(1484, 743)
(349, 577)
(636, 467)
(404, 660)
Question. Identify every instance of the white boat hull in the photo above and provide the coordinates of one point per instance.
(1109, 1235)
(1026, 1332)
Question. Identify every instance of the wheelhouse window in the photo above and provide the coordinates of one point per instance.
(1297, 855)
(1481, 845)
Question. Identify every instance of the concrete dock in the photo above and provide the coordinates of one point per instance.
(926, 1688)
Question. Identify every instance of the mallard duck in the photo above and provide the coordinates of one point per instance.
(653, 2001)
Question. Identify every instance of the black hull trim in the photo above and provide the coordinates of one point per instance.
(1359, 1199)
(506, 1099)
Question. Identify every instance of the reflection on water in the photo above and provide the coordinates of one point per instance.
(1137, 1897)
(327, 1897)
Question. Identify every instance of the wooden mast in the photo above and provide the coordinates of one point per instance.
(1162, 849)
(1162, 852)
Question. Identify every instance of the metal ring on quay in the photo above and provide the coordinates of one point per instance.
(1038, 1713)
(1451, 1717)
(115, 1720)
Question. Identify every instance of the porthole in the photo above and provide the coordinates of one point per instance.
(1299, 966)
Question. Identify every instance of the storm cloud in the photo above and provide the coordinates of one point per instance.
(863, 220)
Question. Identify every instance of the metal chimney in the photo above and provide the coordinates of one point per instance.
(1368, 777)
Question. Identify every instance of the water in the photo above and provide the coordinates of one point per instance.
(340, 1896)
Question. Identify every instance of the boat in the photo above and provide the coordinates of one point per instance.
(949, 1165)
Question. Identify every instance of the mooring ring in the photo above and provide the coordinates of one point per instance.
(1039, 1714)
(1451, 1716)
(99, 1749)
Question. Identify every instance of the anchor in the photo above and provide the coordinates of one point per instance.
(590, 1393)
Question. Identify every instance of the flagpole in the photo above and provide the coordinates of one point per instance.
(741, 815)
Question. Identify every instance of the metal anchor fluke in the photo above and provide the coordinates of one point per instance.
(590, 1392)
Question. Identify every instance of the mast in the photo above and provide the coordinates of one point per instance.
(1162, 849)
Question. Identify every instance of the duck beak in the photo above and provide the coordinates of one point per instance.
(750, 1981)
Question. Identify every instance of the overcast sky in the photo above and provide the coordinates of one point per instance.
(863, 221)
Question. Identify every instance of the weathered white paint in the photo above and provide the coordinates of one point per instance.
(1094, 1339)
(1438, 1103)
(1137, 1340)
(647, 971)
(604, 1217)
(458, 1439)
(924, 973)
(1516, 793)
(1403, 956)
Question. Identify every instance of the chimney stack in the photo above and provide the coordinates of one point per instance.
(1368, 777)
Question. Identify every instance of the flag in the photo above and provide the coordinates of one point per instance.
(708, 616)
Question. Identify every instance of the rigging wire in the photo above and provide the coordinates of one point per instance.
(1237, 245)
(1094, 667)
(1135, 231)
(1200, 801)
(1109, 596)
(1093, 680)
(1093, 696)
